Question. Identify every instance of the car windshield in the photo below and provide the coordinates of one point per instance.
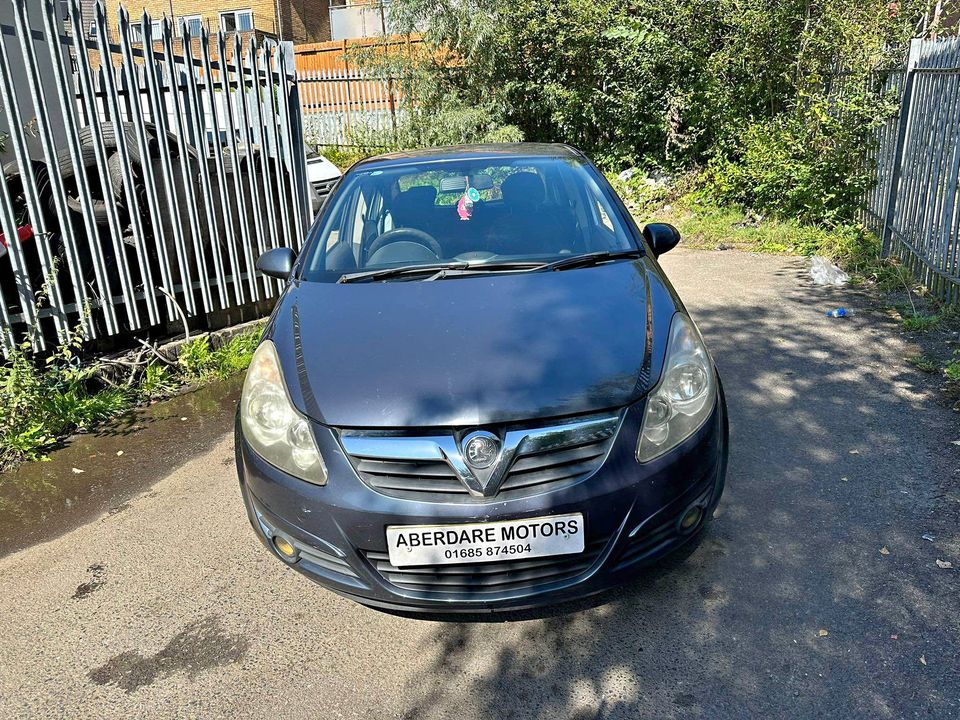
(466, 213)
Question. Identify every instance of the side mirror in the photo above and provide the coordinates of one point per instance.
(277, 263)
(662, 237)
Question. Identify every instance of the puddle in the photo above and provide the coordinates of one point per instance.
(200, 646)
(97, 580)
(42, 500)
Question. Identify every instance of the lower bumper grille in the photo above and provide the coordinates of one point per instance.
(661, 535)
(487, 578)
(323, 187)
(317, 558)
(327, 561)
(648, 543)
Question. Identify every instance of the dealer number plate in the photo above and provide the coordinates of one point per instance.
(410, 545)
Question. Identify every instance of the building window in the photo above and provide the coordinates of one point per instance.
(194, 24)
(136, 31)
(236, 21)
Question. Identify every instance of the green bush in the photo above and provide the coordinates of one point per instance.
(45, 400)
(746, 88)
(158, 381)
(643, 195)
(344, 157)
(235, 355)
(807, 164)
(196, 358)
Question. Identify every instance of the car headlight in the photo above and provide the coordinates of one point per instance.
(272, 426)
(685, 395)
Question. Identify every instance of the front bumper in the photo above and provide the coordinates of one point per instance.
(631, 514)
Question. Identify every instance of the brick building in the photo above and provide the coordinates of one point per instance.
(299, 21)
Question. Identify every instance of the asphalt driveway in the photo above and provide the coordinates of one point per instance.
(815, 593)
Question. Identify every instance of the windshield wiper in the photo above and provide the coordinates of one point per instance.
(402, 270)
(484, 267)
(440, 271)
(594, 258)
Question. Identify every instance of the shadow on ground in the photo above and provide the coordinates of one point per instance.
(789, 608)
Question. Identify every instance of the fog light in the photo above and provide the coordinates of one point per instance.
(285, 548)
(691, 518)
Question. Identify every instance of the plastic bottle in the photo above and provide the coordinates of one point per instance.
(839, 312)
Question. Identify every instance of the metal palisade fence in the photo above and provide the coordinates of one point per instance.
(142, 178)
(914, 205)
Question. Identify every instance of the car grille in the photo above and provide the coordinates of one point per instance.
(323, 187)
(401, 479)
(569, 456)
(560, 466)
(487, 578)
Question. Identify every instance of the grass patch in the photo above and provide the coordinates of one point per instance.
(44, 400)
(924, 363)
(952, 370)
(707, 225)
(703, 223)
(344, 157)
(716, 227)
(918, 322)
(887, 274)
(199, 361)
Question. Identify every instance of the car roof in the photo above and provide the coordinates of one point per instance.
(458, 152)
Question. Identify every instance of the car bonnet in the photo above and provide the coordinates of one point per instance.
(473, 350)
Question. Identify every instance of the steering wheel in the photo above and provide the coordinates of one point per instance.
(401, 234)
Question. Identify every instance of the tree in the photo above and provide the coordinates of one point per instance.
(668, 83)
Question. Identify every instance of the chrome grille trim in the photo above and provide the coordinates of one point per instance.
(432, 467)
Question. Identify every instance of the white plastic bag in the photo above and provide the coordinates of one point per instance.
(825, 272)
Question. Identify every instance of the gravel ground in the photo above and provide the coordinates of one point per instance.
(814, 594)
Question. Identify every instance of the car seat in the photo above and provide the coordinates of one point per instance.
(529, 225)
(413, 208)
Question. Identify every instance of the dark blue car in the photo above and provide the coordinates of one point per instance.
(478, 391)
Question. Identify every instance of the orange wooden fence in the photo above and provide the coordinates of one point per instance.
(333, 55)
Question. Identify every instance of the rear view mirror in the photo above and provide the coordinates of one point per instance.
(277, 263)
(458, 183)
(661, 237)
